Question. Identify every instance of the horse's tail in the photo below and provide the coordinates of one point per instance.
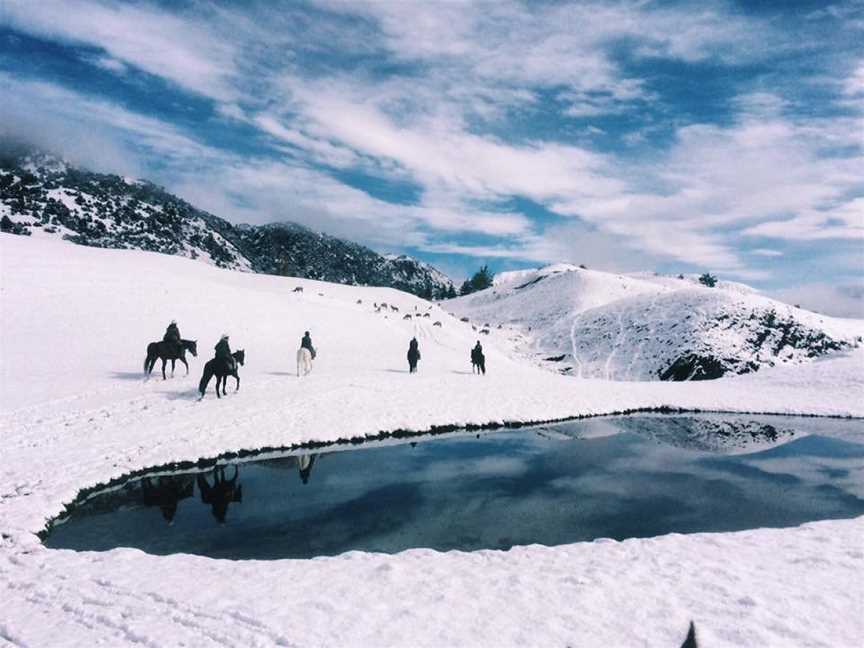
(151, 356)
(205, 378)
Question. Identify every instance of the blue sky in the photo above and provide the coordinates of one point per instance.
(668, 136)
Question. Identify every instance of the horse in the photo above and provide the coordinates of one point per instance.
(304, 361)
(478, 362)
(168, 351)
(413, 357)
(217, 367)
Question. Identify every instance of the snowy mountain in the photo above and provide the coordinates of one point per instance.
(44, 195)
(645, 327)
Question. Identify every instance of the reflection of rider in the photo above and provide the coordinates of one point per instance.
(172, 335)
(223, 352)
(221, 493)
(166, 493)
(306, 343)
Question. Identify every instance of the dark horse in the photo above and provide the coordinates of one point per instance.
(478, 361)
(217, 367)
(413, 357)
(168, 351)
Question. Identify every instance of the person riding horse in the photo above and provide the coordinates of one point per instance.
(306, 343)
(478, 360)
(413, 355)
(223, 352)
(172, 335)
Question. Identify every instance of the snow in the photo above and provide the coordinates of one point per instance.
(75, 413)
(633, 327)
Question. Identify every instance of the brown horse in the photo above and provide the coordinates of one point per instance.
(169, 351)
(219, 368)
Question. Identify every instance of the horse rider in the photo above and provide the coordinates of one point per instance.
(306, 343)
(172, 336)
(477, 358)
(223, 352)
(413, 354)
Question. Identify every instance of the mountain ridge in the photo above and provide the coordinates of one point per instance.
(45, 195)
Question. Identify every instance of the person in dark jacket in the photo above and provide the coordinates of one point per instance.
(306, 343)
(172, 335)
(478, 360)
(223, 352)
(413, 355)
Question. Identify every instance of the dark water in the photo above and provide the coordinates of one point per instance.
(618, 478)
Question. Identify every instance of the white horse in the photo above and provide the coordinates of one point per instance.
(304, 361)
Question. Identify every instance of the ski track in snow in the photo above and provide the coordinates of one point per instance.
(645, 336)
(77, 413)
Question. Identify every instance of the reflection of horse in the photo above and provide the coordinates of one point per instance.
(219, 368)
(169, 351)
(221, 493)
(304, 465)
(304, 361)
(166, 493)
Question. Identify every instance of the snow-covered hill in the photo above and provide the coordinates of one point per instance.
(647, 327)
(75, 412)
(43, 195)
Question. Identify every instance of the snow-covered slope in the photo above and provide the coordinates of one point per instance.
(75, 412)
(44, 196)
(648, 327)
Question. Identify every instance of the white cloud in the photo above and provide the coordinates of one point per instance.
(830, 299)
(462, 71)
(763, 175)
(185, 51)
(108, 63)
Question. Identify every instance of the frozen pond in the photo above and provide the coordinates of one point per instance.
(619, 478)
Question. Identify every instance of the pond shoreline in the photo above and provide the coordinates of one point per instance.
(433, 431)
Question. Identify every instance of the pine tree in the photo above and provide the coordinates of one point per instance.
(481, 280)
(708, 279)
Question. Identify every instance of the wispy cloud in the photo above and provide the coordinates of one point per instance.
(702, 151)
(196, 54)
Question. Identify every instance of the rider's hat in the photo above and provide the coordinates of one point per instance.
(224, 336)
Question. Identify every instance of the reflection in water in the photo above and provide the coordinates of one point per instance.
(166, 492)
(221, 493)
(304, 464)
(618, 477)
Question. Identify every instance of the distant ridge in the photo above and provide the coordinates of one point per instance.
(41, 194)
(648, 326)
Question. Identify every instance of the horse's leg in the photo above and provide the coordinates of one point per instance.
(186, 364)
(237, 377)
(218, 380)
(173, 365)
(164, 362)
